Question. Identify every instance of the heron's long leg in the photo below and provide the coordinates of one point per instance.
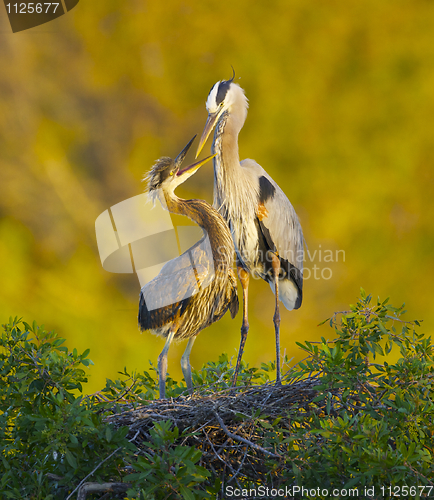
(185, 364)
(244, 279)
(162, 362)
(275, 264)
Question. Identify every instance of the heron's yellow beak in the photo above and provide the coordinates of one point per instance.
(195, 166)
(209, 125)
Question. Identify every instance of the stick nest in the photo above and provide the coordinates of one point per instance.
(234, 428)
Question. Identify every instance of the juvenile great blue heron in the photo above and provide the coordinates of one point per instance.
(196, 288)
(265, 228)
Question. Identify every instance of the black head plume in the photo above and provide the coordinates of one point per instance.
(224, 87)
(233, 75)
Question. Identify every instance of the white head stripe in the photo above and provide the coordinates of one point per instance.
(211, 102)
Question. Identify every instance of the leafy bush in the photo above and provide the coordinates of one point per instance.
(360, 414)
(377, 427)
(49, 433)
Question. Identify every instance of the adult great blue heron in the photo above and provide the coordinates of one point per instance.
(265, 228)
(198, 287)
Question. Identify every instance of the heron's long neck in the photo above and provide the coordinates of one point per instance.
(225, 144)
(200, 212)
(231, 184)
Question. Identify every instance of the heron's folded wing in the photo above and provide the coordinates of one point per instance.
(279, 225)
(169, 294)
(179, 280)
(279, 222)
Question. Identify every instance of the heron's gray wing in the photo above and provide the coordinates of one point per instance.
(168, 295)
(179, 280)
(277, 216)
(279, 223)
(158, 318)
(200, 254)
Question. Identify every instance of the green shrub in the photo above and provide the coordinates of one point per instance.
(50, 434)
(368, 422)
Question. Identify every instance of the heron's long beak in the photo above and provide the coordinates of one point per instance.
(180, 158)
(209, 125)
(195, 166)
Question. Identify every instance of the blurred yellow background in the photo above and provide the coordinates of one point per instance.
(341, 115)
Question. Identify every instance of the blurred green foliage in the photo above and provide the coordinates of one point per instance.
(341, 106)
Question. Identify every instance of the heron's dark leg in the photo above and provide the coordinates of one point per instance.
(185, 364)
(162, 363)
(243, 275)
(275, 264)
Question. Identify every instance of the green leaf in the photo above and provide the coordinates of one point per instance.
(108, 434)
(352, 482)
(382, 328)
(57, 342)
(265, 424)
(5, 463)
(71, 459)
(329, 401)
(186, 493)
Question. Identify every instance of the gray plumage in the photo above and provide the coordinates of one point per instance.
(265, 229)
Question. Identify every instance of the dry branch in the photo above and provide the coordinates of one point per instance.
(99, 488)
